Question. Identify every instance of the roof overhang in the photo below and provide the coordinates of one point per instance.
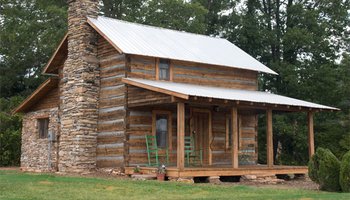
(40, 92)
(241, 98)
(57, 58)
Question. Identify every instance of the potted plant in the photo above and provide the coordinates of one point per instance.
(137, 170)
(161, 172)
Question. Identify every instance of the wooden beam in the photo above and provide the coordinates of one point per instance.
(310, 120)
(47, 66)
(269, 138)
(210, 152)
(180, 136)
(234, 149)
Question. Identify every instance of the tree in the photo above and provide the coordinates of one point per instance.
(129, 10)
(301, 41)
(30, 31)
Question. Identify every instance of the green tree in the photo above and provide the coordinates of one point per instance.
(129, 10)
(30, 31)
(301, 41)
(10, 132)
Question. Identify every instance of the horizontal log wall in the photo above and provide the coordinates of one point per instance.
(51, 100)
(142, 97)
(111, 124)
(142, 67)
(140, 124)
(195, 73)
(247, 139)
(201, 74)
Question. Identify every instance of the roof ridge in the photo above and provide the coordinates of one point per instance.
(162, 28)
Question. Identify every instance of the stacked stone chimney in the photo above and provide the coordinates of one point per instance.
(79, 91)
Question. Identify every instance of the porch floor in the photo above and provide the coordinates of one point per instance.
(224, 170)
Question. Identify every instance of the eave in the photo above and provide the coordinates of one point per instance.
(40, 92)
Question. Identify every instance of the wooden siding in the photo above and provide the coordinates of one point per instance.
(247, 139)
(111, 123)
(194, 73)
(201, 74)
(141, 97)
(142, 67)
(50, 100)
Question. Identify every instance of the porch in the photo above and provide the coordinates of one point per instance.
(216, 123)
(224, 170)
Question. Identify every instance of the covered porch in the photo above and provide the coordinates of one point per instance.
(221, 121)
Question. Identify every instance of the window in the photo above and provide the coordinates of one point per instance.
(43, 127)
(162, 128)
(164, 69)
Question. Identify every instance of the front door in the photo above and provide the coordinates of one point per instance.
(201, 134)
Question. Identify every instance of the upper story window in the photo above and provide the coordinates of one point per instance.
(43, 127)
(164, 69)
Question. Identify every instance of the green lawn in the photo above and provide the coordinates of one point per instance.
(18, 185)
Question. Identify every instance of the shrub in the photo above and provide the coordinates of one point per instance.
(324, 170)
(313, 168)
(344, 176)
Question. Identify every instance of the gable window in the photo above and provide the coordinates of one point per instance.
(164, 69)
(43, 127)
(162, 128)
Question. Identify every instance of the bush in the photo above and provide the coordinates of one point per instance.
(313, 168)
(344, 176)
(324, 170)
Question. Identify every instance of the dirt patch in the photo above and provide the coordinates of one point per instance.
(9, 168)
(46, 182)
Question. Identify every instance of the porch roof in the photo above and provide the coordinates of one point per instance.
(185, 91)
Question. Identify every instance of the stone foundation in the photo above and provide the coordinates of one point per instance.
(35, 151)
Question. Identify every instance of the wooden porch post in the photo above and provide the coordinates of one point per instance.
(234, 149)
(180, 135)
(269, 138)
(310, 120)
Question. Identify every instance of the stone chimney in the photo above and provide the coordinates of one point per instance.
(79, 91)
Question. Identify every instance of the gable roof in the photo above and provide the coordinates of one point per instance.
(184, 91)
(40, 92)
(138, 39)
(57, 58)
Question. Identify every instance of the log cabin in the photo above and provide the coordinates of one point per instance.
(111, 83)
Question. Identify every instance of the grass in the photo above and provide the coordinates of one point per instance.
(18, 185)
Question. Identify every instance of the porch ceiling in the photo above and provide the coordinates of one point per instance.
(185, 91)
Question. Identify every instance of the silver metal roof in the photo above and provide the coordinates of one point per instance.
(228, 94)
(132, 38)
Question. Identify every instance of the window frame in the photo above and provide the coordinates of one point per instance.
(169, 126)
(45, 127)
(158, 70)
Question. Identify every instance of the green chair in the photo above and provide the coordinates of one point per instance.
(192, 155)
(153, 151)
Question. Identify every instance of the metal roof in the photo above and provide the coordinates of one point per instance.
(224, 93)
(132, 38)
